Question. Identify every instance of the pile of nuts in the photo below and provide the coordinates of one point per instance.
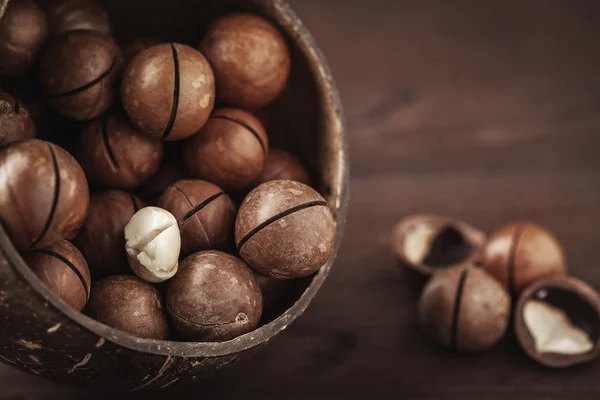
(115, 225)
(466, 304)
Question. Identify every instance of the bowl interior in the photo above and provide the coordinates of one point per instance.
(306, 119)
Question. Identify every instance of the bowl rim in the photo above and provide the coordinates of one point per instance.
(288, 21)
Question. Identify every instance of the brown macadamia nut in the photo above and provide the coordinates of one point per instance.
(44, 196)
(214, 297)
(464, 308)
(169, 173)
(557, 322)
(23, 32)
(284, 229)
(63, 269)
(204, 212)
(168, 91)
(71, 15)
(250, 58)
(101, 239)
(129, 304)
(15, 122)
(229, 151)
(275, 292)
(282, 165)
(134, 47)
(426, 243)
(116, 156)
(78, 74)
(153, 244)
(519, 254)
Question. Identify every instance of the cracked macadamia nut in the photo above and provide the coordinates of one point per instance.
(153, 243)
(101, 239)
(213, 298)
(427, 243)
(229, 151)
(116, 156)
(284, 229)
(44, 196)
(15, 122)
(129, 304)
(283, 165)
(78, 74)
(168, 91)
(519, 254)
(250, 57)
(71, 15)
(205, 213)
(63, 269)
(23, 32)
(464, 308)
(557, 322)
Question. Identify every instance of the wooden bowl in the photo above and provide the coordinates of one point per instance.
(41, 334)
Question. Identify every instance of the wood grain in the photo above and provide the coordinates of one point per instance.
(487, 111)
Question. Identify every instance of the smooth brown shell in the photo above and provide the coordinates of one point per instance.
(229, 151)
(15, 121)
(284, 229)
(519, 254)
(250, 58)
(132, 48)
(78, 74)
(44, 194)
(283, 165)
(115, 155)
(23, 32)
(63, 270)
(213, 297)
(461, 245)
(464, 308)
(71, 15)
(168, 91)
(129, 304)
(101, 239)
(584, 292)
(169, 172)
(205, 214)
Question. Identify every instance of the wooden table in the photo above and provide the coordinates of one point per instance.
(484, 110)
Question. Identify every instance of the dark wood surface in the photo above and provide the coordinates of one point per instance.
(483, 110)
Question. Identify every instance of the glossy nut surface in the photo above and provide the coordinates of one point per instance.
(115, 155)
(78, 74)
(284, 229)
(168, 91)
(204, 212)
(229, 151)
(250, 58)
(213, 297)
(44, 195)
(101, 239)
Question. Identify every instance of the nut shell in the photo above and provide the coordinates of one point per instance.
(205, 214)
(519, 254)
(71, 15)
(583, 301)
(214, 297)
(64, 270)
(23, 32)
(129, 304)
(427, 243)
(229, 151)
(284, 229)
(78, 74)
(282, 165)
(168, 91)
(101, 239)
(464, 308)
(168, 173)
(44, 195)
(250, 57)
(116, 156)
(15, 121)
